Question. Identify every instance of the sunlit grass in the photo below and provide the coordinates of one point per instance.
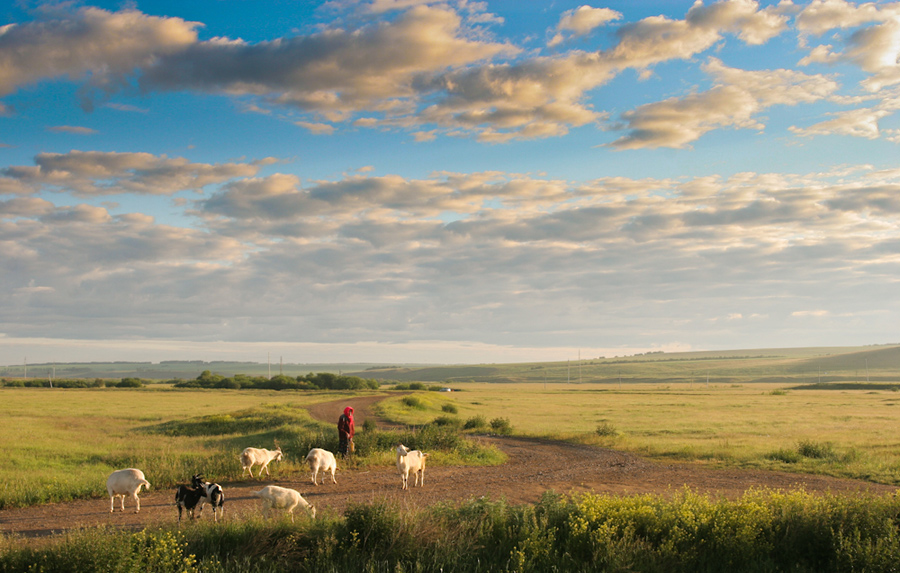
(61, 444)
(733, 425)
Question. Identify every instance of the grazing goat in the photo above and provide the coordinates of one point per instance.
(410, 461)
(275, 497)
(212, 494)
(125, 482)
(323, 460)
(253, 456)
(187, 497)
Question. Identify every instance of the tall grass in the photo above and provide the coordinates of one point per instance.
(762, 531)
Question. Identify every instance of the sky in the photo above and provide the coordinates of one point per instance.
(400, 181)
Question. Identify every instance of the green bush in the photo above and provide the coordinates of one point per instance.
(606, 429)
(449, 408)
(815, 450)
(447, 421)
(475, 423)
(501, 426)
(413, 402)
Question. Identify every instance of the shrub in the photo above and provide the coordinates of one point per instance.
(475, 423)
(501, 426)
(449, 408)
(130, 383)
(447, 421)
(413, 402)
(606, 429)
(815, 450)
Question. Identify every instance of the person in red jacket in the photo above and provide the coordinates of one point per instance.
(345, 431)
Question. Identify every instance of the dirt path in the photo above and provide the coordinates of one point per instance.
(535, 466)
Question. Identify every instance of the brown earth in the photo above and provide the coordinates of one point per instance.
(534, 466)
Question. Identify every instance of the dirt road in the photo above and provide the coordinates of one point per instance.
(535, 466)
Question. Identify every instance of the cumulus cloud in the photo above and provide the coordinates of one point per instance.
(333, 73)
(874, 48)
(734, 102)
(107, 46)
(581, 21)
(858, 123)
(489, 256)
(431, 69)
(106, 173)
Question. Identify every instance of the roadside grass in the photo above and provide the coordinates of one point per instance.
(685, 532)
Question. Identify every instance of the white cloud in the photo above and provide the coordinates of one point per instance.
(581, 21)
(493, 257)
(735, 101)
(105, 173)
(105, 45)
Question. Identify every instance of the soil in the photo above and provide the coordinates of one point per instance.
(534, 466)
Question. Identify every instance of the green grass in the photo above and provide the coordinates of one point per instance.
(62, 444)
(743, 425)
(686, 532)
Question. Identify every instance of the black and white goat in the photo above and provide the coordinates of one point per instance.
(188, 498)
(212, 494)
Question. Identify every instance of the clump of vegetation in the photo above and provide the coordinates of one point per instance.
(815, 450)
(785, 455)
(475, 423)
(411, 386)
(501, 426)
(606, 430)
(447, 421)
(761, 531)
(449, 408)
(413, 402)
(778, 392)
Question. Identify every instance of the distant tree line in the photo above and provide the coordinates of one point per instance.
(320, 381)
(73, 383)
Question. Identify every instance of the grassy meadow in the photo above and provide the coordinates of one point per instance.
(840, 432)
(61, 444)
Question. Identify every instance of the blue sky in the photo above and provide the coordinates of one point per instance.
(416, 181)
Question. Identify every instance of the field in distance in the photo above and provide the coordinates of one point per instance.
(876, 364)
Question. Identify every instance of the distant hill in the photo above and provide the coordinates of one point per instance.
(879, 363)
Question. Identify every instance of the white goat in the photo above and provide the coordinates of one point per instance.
(253, 456)
(410, 461)
(125, 482)
(275, 497)
(323, 460)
